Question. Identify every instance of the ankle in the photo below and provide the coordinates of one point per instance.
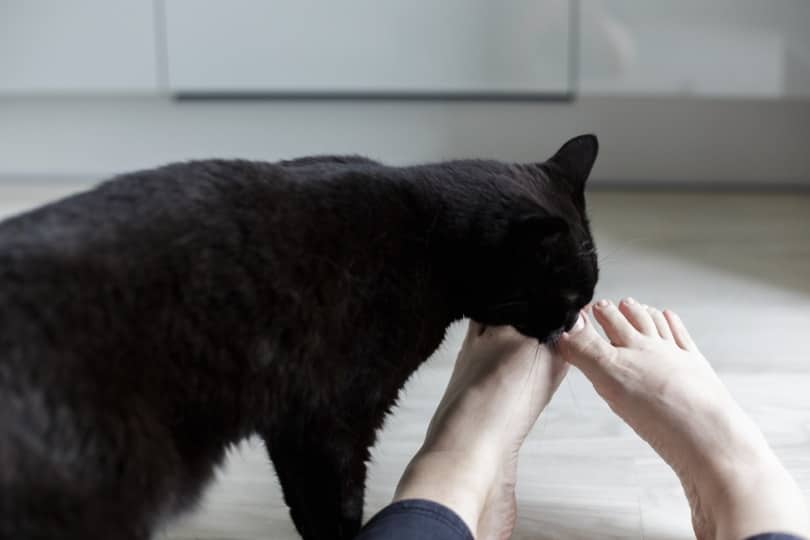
(450, 478)
(749, 497)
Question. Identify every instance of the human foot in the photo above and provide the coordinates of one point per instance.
(468, 462)
(654, 377)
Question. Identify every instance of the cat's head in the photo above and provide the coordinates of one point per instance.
(542, 269)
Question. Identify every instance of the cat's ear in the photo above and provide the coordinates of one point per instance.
(576, 158)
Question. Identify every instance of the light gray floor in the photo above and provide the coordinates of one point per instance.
(736, 267)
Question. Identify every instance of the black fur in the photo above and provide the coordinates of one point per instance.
(150, 323)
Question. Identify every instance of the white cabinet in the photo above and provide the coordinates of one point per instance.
(723, 48)
(77, 46)
(369, 46)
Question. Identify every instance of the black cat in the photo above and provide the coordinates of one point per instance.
(150, 323)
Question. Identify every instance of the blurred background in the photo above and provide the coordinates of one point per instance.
(678, 91)
(700, 199)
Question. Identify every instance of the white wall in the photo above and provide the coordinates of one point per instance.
(643, 140)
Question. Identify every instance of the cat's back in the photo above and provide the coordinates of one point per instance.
(134, 226)
(130, 228)
(68, 257)
(137, 200)
(177, 193)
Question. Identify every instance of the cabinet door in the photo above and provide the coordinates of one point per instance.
(744, 48)
(369, 46)
(77, 46)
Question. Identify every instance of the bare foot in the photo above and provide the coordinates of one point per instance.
(654, 377)
(468, 462)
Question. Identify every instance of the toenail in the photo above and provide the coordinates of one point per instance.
(629, 301)
(603, 303)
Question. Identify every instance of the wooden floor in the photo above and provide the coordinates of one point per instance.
(736, 267)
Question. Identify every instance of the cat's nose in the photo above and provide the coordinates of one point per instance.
(570, 320)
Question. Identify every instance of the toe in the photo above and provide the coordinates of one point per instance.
(661, 324)
(679, 331)
(616, 326)
(638, 316)
(583, 347)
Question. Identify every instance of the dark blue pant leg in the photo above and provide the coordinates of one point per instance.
(415, 519)
(773, 536)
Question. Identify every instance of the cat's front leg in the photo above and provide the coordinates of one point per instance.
(322, 475)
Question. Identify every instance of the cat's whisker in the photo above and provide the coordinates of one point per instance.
(626, 245)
